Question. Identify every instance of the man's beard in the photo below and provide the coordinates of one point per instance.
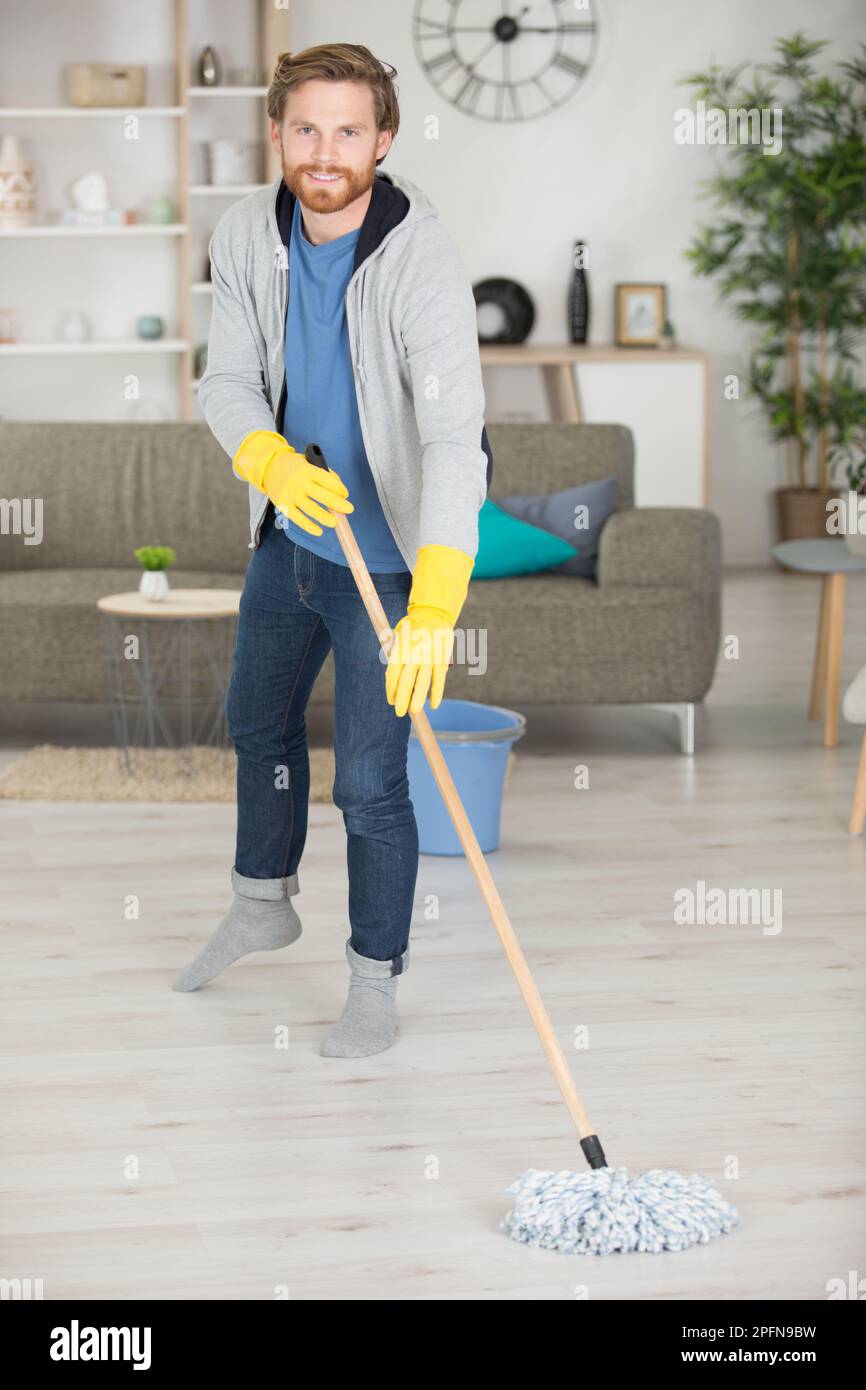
(326, 197)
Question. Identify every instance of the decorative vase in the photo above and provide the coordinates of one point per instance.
(234, 161)
(154, 585)
(150, 326)
(17, 185)
(579, 299)
(209, 68)
(74, 327)
(10, 328)
(162, 210)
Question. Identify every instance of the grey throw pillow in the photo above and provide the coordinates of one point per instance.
(576, 514)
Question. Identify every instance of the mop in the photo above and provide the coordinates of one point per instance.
(596, 1212)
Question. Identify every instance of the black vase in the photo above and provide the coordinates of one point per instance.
(578, 309)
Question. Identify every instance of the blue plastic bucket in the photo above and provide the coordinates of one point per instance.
(475, 741)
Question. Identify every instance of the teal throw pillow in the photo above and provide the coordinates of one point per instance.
(508, 546)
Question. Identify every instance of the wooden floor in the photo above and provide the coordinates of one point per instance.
(159, 1144)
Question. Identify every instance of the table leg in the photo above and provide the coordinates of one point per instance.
(858, 809)
(819, 675)
(835, 620)
(562, 398)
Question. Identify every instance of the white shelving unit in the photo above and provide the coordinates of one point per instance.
(272, 36)
(134, 229)
(225, 190)
(105, 345)
(226, 91)
(30, 113)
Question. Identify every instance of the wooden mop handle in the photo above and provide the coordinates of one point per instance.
(462, 825)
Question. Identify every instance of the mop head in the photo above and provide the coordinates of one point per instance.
(604, 1210)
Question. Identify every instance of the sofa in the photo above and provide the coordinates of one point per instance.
(644, 631)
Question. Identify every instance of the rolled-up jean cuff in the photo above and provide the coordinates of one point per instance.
(376, 969)
(265, 889)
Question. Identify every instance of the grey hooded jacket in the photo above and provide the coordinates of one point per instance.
(413, 339)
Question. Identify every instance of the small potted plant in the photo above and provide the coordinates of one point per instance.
(154, 560)
(849, 456)
(667, 337)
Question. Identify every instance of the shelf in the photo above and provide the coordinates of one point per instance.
(225, 190)
(14, 113)
(226, 91)
(555, 354)
(136, 229)
(93, 346)
(201, 287)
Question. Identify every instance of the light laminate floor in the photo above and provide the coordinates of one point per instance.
(156, 1144)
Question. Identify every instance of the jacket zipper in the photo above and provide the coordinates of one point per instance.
(281, 263)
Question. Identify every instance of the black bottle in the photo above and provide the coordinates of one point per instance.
(579, 299)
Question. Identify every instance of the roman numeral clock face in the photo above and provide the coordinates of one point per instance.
(505, 60)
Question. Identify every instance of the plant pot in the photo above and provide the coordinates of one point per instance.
(154, 585)
(853, 518)
(802, 512)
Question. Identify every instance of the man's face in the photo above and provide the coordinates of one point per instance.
(328, 143)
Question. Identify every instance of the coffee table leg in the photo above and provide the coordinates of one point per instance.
(835, 621)
(819, 675)
(858, 809)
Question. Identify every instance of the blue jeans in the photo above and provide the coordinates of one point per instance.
(294, 608)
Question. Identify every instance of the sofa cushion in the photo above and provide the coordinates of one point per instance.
(547, 456)
(555, 639)
(509, 546)
(52, 632)
(109, 487)
(557, 512)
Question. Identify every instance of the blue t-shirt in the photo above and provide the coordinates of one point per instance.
(321, 407)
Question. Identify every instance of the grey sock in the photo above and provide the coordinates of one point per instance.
(369, 1019)
(252, 923)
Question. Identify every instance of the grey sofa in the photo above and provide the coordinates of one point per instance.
(646, 632)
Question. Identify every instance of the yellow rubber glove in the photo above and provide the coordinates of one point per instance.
(294, 485)
(423, 640)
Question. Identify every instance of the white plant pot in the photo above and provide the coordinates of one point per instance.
(154, 585)
(852, 503)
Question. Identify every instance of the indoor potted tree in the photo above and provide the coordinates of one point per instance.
(155, 560)
(789, 251)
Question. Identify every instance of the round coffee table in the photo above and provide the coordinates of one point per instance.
(832, 560)
(203, 624)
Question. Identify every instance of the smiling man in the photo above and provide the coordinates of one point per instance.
(343, 316)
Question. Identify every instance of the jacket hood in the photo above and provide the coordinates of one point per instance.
(394, 202)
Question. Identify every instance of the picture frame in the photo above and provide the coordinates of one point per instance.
(640, 311)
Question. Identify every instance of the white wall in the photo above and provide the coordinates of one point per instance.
(603, 167)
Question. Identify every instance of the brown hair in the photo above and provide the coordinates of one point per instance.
(337, 62)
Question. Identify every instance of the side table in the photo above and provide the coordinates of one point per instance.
(832, 560)
(203, 626)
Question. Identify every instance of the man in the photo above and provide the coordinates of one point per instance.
(342, 316)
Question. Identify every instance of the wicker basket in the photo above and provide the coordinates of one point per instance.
(106, 84)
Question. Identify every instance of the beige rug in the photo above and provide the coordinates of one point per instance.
(48, 773)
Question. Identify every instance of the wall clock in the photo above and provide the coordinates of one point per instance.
(505, 60)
